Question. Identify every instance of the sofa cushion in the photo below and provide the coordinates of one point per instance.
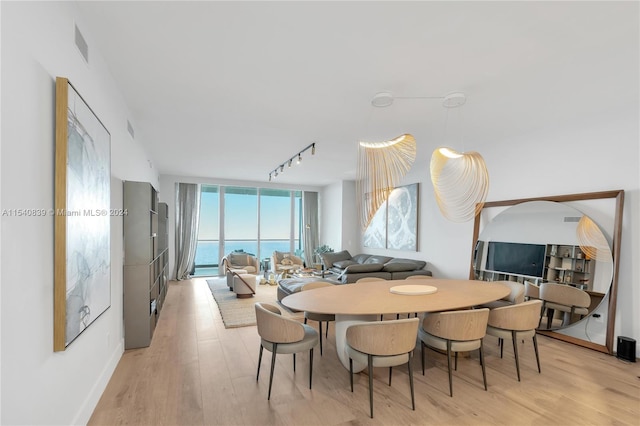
(343, 263)
(361, 258)
(365, 267)
(378, 259)
(401, 265)
(329, 258)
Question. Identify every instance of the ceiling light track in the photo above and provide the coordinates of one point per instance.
(297, 158)
(452, 100)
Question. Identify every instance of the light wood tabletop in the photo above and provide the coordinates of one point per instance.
(374, 297)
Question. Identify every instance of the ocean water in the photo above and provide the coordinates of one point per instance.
(207, 251)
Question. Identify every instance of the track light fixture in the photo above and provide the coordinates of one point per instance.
(298, 157)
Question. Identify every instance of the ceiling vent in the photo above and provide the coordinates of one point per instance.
(130, 129)
(82, 45)
(571, 219)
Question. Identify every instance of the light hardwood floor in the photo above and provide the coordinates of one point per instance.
(196, 372)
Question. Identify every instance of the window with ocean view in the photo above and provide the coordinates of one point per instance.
(254, 220)
(208, 232)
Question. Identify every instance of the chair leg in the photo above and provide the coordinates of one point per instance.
(535, 346)
(390, 372)
(370, 357)
(484, 374)
(456, 361)
(320, 330)
(305, 320)
(294, 363)
(422, 355)
(326, 332)
(449, 367)
(413, 401)
(515, 352)
(501, 346)
(259, 362)
(273, 366)
(310, 366)
(351, 373)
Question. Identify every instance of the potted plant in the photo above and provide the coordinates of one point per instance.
(322, 249)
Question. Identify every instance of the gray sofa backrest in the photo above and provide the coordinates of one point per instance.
(328, 259)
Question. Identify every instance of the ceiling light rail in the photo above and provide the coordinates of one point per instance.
(296, 158)
(385, 99)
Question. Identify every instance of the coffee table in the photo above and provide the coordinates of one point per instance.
(355, 303)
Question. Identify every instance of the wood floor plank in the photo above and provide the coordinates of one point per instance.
(197, 372)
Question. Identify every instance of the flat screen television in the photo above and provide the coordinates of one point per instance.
(516, 258)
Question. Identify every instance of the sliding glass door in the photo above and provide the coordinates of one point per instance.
(208, 250)
(240, 220)
(257, 221)
(275, 221)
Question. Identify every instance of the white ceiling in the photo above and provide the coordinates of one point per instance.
(232, 89)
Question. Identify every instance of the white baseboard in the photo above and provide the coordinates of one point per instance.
(91, 401)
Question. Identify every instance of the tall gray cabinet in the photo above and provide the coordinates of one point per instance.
(145, 262)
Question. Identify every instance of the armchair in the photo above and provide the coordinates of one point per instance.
(281, 261)
(240, 261)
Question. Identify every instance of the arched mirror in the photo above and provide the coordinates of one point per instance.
(569, 241)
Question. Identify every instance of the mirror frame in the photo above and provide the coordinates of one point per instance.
(615, 251)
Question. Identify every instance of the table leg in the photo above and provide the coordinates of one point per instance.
(342, 323)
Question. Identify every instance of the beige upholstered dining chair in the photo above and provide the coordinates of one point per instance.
(563, 298)
(282, 335)
(516, 322)
(382, 344)
(455, 331)
(515, 296)
(367, 279)
(315, 316)
(531, 290)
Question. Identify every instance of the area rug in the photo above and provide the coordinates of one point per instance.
(241, 312)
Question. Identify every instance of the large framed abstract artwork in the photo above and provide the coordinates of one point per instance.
(82, 262)
(395, 224)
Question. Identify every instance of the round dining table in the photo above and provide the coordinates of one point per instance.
(366, 301)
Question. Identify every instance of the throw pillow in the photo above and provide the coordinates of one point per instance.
(238, 260)
(286, 261)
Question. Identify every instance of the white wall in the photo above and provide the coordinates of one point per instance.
(331, 214)
(38, 385)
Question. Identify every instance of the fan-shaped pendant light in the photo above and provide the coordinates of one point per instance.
(592, 241)
(460, 180)
(381, 167)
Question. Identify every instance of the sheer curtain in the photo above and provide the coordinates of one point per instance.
(310, 220)
(187, 221)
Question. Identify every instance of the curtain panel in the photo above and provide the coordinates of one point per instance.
(310, 232)
(187, 221)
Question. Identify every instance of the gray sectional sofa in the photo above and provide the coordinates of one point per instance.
(349, 268)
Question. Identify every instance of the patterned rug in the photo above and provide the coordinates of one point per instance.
(241, 312)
